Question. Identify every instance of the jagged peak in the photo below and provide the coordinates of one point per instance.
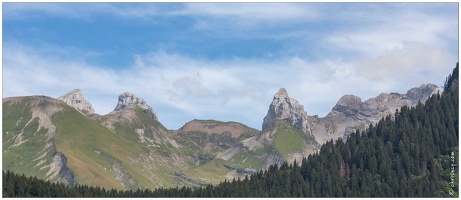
(281, 93)
(128, 100)
(76, 100)
(284, 107)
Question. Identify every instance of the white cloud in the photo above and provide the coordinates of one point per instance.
(249, 20)
(251, 12)
(138, 61)
(27, 71)
(181, 88)
(78, 10)
(412, 60)
(378, 29)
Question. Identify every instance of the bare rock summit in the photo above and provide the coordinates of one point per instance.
(128, 100)
(348, 104)
(423, 92)
(76, 100)
(284, 107)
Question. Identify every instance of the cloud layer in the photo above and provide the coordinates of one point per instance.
(181, 88)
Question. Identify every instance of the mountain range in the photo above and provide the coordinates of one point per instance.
(62, 139)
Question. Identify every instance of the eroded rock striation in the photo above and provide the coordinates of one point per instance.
(285, 107)
(127, 100)
(76, 100)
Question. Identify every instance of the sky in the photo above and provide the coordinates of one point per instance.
(225, 61)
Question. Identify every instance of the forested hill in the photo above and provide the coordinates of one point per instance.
(413, 153)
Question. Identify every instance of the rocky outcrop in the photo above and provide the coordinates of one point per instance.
(284, 107)
(348, 104)
(65, 175)
(128, 100)
(422, 92)
(350, 113)
(76, 100)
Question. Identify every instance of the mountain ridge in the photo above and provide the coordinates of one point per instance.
(134, 150)
(350, 113)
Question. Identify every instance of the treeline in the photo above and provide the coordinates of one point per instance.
(413, 153)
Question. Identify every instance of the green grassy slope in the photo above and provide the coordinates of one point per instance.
(207, 143)
(91, 149)
(289, 139)
(163, 159)
(138, 152)
(95, 155)
(23, 157)
(285, 140)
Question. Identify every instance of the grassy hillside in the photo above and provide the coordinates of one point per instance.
(166, 160)
(276, 144)
(129, 150)
(92, 150)
(95, 155)
(23, 140)
(99, 156)
(205, 139)
(289, 139)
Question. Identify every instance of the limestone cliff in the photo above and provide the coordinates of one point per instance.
(284, 107)
(127, 100)
(76, 100)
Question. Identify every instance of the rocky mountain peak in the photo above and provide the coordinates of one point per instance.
(76, 100)
(127, 100)
(350, 113)
(281, 93)
(422, 92)
(348, 104)
(284, 107)
(349, 100)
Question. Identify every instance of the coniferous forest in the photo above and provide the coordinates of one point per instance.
(413, 153)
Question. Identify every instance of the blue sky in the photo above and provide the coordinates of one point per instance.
(225, 61)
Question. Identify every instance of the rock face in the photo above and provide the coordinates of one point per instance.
(422, 92)
(127, 100)
(284, 107)
(348, 104)
(350, 113)
(76, 100)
